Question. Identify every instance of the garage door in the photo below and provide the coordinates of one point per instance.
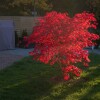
(7, 36)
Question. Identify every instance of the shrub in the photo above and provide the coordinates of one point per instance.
(61, 39)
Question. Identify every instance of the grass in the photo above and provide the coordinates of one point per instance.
(31, 80)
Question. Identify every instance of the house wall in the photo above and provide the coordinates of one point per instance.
(22, 22)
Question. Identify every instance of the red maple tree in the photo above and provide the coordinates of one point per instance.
(61, 39)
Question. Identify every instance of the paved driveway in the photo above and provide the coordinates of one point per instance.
(8, 57)
(96, 51)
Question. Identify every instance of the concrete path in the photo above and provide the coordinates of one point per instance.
(8, 57)
(96, 51)
(16, 52)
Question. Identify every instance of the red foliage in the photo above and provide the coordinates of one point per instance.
(61, 39)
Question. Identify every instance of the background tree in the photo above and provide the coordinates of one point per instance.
(43, 6)
(15, 7)
(95, 7)
(25, 7)
(70, 6)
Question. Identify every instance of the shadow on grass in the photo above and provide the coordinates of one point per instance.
(29, 80)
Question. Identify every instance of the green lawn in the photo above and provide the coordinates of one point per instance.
(31, 80)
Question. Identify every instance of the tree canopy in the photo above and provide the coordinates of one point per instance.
(25, 7)
(22, 7)
(95, 7)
